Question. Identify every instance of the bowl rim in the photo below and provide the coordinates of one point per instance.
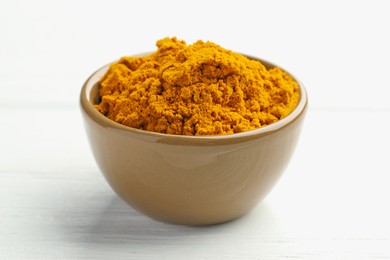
(88, 108)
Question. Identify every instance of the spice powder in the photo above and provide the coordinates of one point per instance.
(198, 89)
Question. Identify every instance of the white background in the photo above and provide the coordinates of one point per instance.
(331, 203)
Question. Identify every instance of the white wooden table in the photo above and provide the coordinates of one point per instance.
(331, 203)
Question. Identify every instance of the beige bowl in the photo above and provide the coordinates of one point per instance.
(186, 179)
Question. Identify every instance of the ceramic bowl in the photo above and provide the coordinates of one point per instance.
(191, 180)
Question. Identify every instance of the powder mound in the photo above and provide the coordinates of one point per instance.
(198, 89)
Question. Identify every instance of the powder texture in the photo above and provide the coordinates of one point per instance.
(198, 89)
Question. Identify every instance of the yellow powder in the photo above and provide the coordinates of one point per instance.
(198, 89)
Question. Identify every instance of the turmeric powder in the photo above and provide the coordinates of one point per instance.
(198, 89)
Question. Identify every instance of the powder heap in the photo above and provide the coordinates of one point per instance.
(198, 89)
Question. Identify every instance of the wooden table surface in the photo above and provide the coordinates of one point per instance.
(331, 203)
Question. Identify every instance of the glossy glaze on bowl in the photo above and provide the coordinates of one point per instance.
(189, 179)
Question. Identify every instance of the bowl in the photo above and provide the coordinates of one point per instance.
(190, 180)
